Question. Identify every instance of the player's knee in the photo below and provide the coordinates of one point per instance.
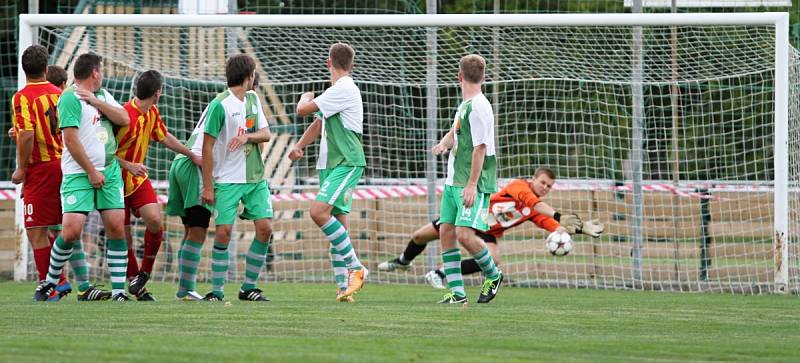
(115, 230)
(263, 232)
(464, 235)
(223, 234)
(419, 238)
(153, 226)
(319, 214)
(70, 234)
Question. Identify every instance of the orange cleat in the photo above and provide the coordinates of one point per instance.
(355, 281)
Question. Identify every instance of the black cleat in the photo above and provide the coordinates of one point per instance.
(211, 296)
(136, 286)
(451, 298)
(489, 289)
(121, 297)
(44, 291)
(94, 294)
(145, 295)
(252, 295)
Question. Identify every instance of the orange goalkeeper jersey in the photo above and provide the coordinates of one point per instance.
(134, 139)
(512, 206)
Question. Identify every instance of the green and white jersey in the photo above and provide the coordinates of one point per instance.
(95, 131)
(342, 125)
(226, 118)
(473, 126)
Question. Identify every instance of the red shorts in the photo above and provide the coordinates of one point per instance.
(41, 194)
(143, 196)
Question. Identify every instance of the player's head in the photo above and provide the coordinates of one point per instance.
(471, 69)
(88, 68)
(34, 61)
(340, 57)
(57, 76)
(542, 181)
(149, 85)
(240, 70)
(256, 80)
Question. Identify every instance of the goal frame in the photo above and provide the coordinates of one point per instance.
(779, 20)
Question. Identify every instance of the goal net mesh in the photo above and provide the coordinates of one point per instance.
(563, 98)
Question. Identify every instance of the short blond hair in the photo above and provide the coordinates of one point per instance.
(472, 66)
(341, 55)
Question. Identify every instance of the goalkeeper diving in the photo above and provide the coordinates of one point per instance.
(516, 203)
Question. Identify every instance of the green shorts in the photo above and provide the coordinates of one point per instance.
(255, 196)
(78, 195)
(185, 186)
(337, 186)
(453, 212)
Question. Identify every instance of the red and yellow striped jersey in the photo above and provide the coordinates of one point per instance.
(35, 110)
(133, 140)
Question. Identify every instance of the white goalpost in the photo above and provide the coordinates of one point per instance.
(705, 197)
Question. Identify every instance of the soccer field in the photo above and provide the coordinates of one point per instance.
(402, 324)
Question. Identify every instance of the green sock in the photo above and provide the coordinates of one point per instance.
(117, 261)
(219, 268)
(59, 254)
(188, 261)
(339, 269)
(452, 271)
(255, 259)
(486, 262)
(340, 240)
(79, 266)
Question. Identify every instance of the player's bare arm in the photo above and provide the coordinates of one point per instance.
(117, 115)
(312, 133)
(172, 143)
(257, 137)
(24, 150)
(306, 105)
(471, 189)
(207, 196)
(445, 144)
(137, 169)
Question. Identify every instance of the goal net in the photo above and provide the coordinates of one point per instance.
(666, 134)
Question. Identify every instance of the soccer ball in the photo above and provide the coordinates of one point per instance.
(559, 243)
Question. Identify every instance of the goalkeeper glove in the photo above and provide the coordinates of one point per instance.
(569, 221)
(592, 228)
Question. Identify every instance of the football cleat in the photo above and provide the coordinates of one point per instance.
(44, 291)
(434, 279)
(393, 264)
(211, 296)
(137, 283)
(63, 288)
(355, 280)
(341, 297)
(451, 298)
(121, 297)
(252, 295)
(489, 289)
(189, 296)
(145, 295)
(94, 294)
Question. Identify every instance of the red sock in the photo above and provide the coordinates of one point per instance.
(152, 243)
(42, 258)
(133, 266)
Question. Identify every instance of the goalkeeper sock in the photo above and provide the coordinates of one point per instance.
(452, 270)
(340, 240)
(255, 259)
(486, 262)
(188, 260)
(339, 270)
(412, 251)
(219, 267)
(469, 266)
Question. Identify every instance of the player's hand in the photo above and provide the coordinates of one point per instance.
(12, 133)
(237, 142)
(137, 169)
(18, 176)
(207, 197)
(571, 222)
(468, 195)
(592, 228)
(97, 179)
(295, 154)
(308, 96)
(197, 160)
(87, 96)
(439, 149)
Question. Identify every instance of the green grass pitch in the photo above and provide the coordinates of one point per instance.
(402, 324)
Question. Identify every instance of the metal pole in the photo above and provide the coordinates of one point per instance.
(21, 262)
(432, 257)
(33, 8)
(496, 68)
(675, 163)
(636, 148)
(781, 160)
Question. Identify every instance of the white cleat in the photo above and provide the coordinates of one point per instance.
(434, 279)
(190, 296)
(392, 265)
